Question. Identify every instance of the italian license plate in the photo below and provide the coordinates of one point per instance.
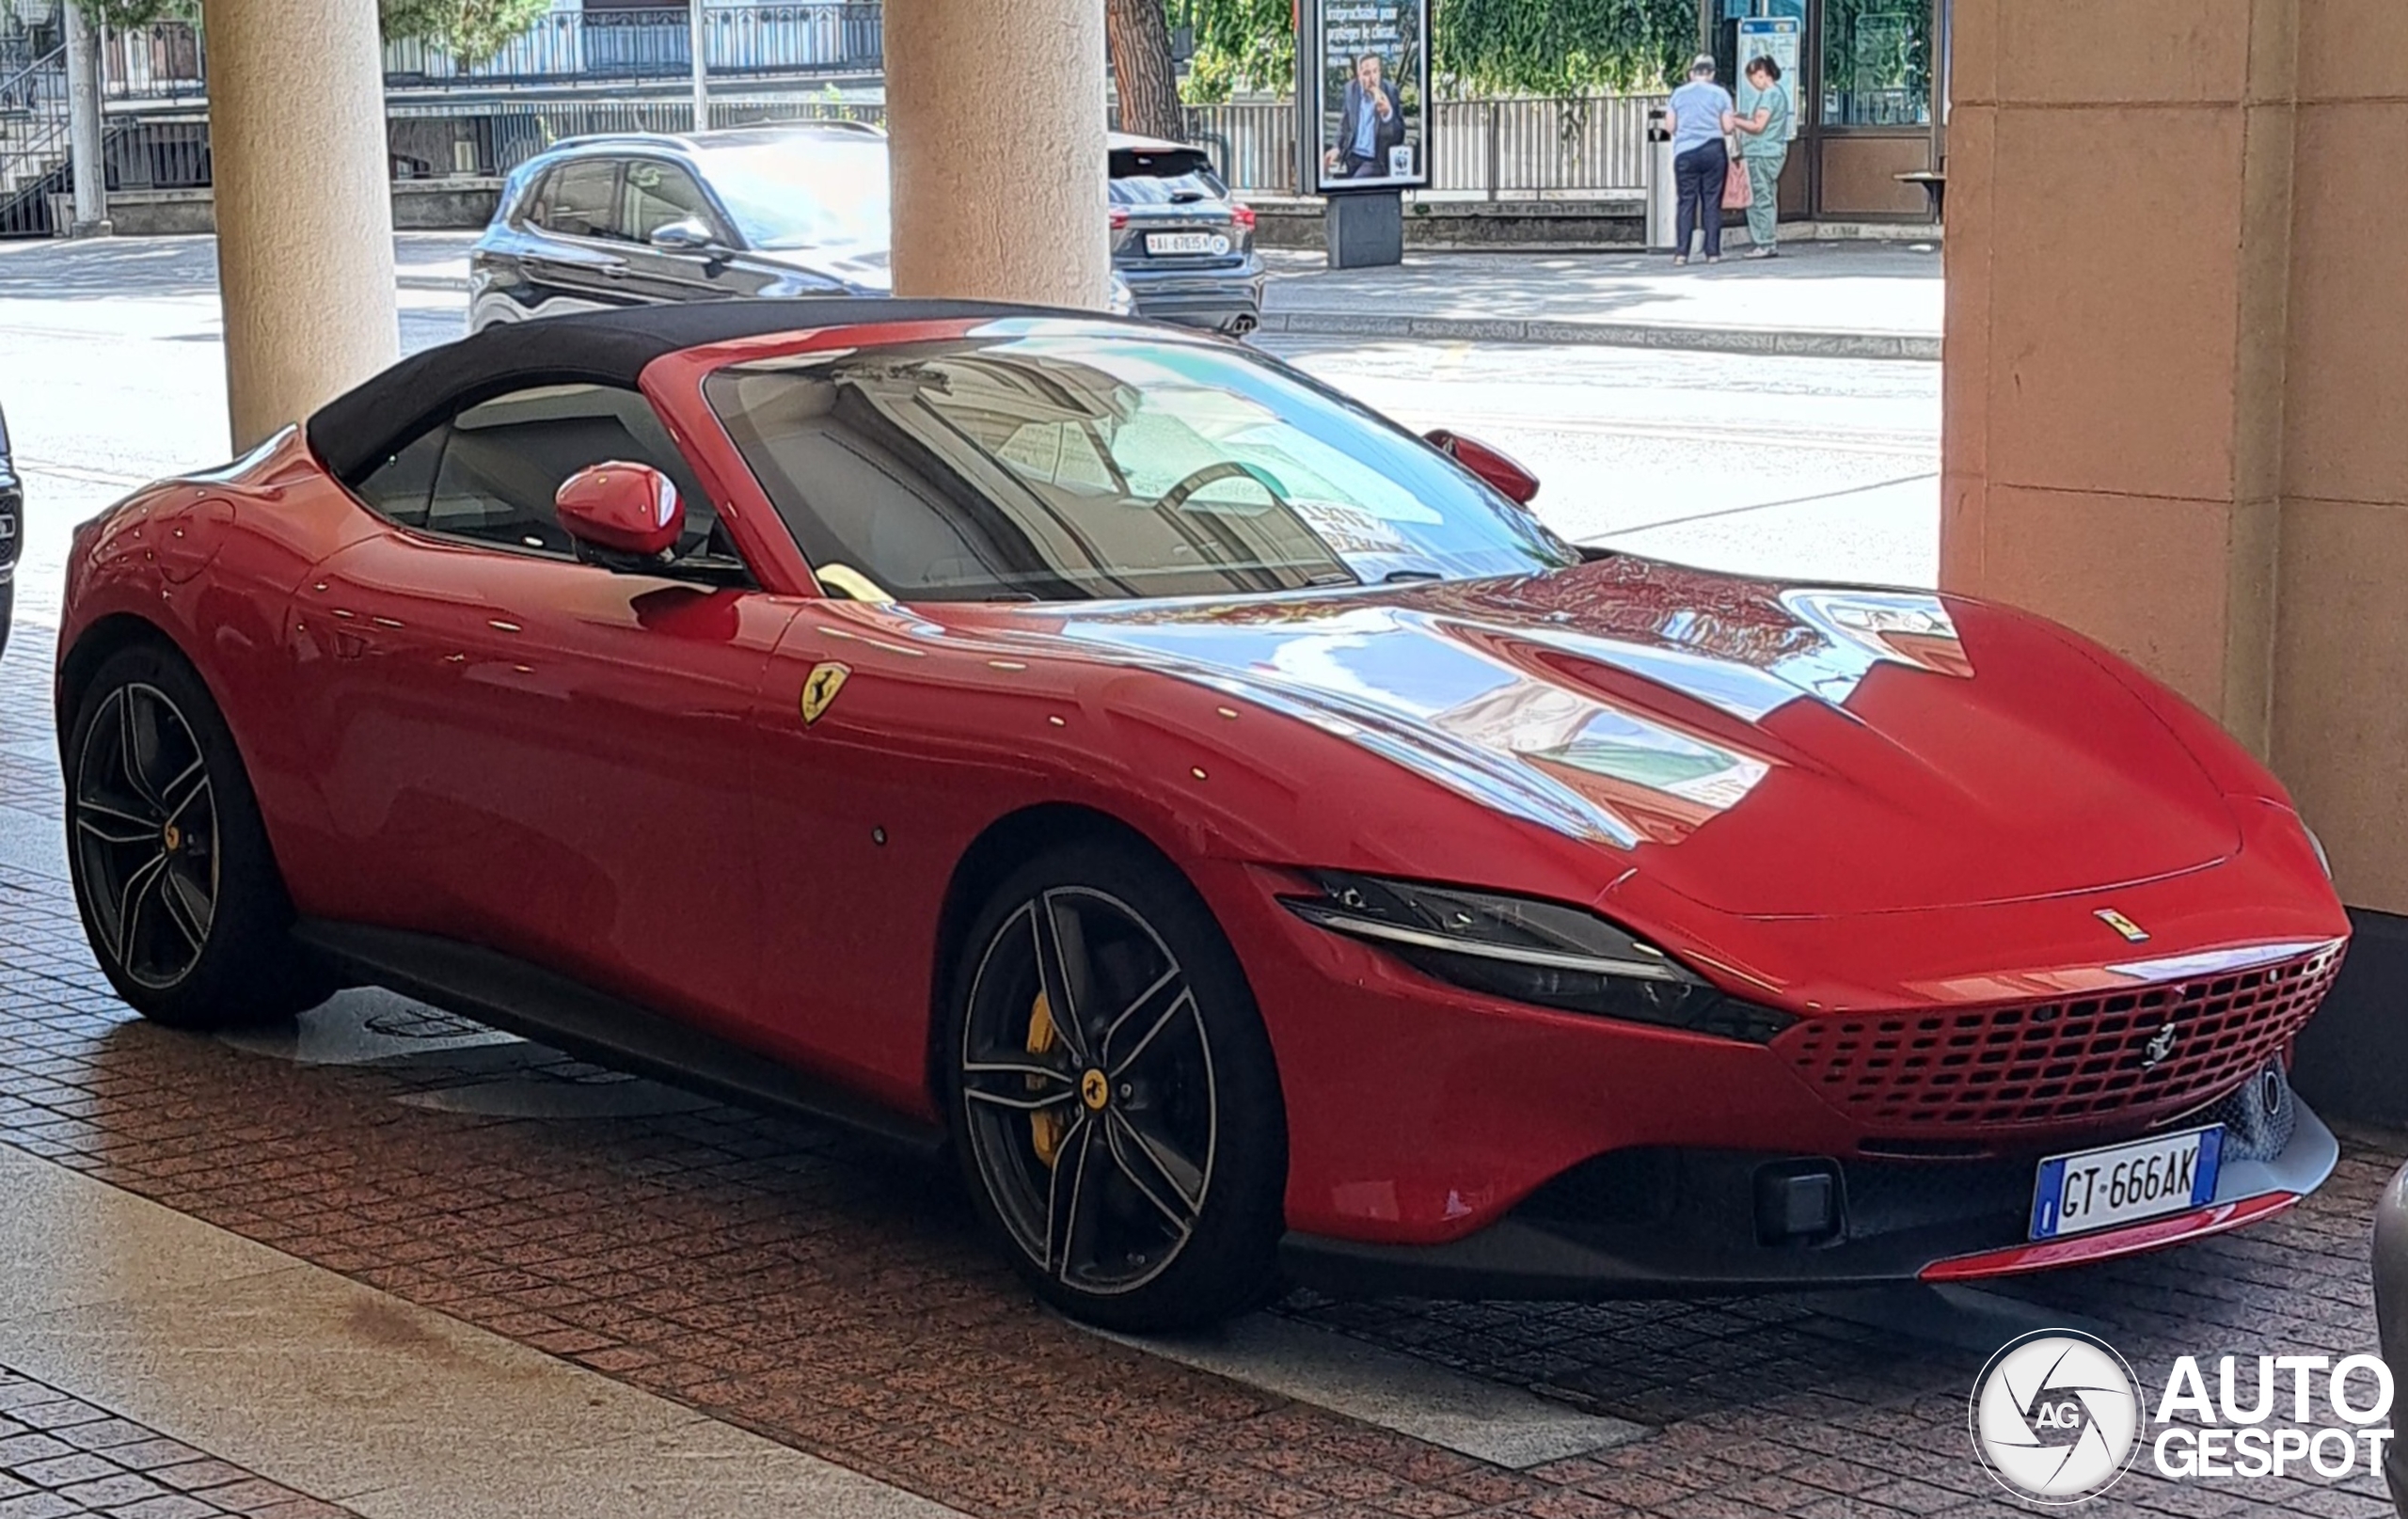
(2097, 1189)
(1161, 242)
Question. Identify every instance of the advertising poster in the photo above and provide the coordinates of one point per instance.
(1374, 88)
(1775, 38)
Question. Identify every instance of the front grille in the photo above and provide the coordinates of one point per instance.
(2059, 1061)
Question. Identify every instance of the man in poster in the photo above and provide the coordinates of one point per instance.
(1370, 125)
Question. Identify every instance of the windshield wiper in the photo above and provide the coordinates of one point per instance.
(1399, 576)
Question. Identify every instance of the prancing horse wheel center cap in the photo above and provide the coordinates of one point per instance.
(1095, 1090)
(173, 838)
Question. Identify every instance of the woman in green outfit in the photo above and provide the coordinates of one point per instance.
(1763, 147)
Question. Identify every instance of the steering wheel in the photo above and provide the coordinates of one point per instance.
(1220, 469)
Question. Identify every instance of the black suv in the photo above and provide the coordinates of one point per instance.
(641, 219)
(802, 208)
(1178, 237)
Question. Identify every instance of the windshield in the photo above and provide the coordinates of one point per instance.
(805, 195)
(1052, 460)
(1156, 179)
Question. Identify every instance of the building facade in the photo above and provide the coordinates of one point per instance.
(1871, 91)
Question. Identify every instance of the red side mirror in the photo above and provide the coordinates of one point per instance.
(622, 508)
(1491, 465)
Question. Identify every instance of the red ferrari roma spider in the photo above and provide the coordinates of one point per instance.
(1238, 828)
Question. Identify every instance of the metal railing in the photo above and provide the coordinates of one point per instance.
(1500, 148)
(32, 141)
(168, 60)
(434, 140)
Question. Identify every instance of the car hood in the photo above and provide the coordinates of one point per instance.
(1765, 749)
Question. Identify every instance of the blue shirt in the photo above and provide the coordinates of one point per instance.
(1367, 127)
(1697, 114)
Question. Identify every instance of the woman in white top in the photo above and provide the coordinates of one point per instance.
(1702, 113)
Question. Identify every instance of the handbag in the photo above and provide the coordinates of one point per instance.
(1737, 192)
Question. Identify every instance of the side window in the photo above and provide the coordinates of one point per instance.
(534, 206)
(503, 460)
(657, 194)
(397, 490)
(579, 198)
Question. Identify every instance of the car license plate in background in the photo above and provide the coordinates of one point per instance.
(1157, 242)
(2097, 1189)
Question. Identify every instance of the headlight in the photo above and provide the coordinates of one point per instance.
(1530, 951)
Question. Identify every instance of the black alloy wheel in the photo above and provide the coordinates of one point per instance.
(1114, 1097)
(146, 836)
(177, 889)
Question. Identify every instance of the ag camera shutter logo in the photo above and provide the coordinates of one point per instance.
(2056, 1416)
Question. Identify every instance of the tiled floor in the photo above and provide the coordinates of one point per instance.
(60, 1456)
(799, 1284)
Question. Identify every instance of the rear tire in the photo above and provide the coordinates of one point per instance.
(174, 879)
(1113, 1097)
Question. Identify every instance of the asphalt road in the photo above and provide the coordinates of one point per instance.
(112, 373)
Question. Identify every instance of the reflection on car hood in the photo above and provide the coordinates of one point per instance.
(864, 269)
(1765, 749)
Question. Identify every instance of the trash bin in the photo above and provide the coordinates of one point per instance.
(1663, 195)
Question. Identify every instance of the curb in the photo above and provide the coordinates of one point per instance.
(1784, 343)
(1779, 341)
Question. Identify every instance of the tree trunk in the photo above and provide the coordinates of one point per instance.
(1138, 32)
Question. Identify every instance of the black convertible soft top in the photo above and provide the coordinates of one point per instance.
(361, 427)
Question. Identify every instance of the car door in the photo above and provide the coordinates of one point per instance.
(653, 194)
(528, 753)
(576, 260)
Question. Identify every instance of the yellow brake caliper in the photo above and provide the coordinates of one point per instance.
(1045, 1125)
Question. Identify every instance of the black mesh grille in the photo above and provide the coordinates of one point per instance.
(2059, 1061)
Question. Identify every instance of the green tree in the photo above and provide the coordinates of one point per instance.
(1560, 47)
(1240, 45)
(1547, 47)
(124, 15)
(470, 30)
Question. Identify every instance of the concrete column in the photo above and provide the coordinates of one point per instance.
(2117, 244)
(997, 117)
(84, 145)
(305, 211)
(2340, 716)
(2173, 358)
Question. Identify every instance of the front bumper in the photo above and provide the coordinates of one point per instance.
(1221, 299)
(1665, 1223)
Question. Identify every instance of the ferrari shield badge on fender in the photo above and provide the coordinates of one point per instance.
(819, 689)
(2108, 916)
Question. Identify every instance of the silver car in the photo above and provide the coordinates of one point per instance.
(2391, 1307)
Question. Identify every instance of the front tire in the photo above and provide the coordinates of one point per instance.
(174, 879)
(1113, 1098)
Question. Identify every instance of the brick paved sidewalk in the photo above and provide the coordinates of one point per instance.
(61, 1457)
(798, 1283)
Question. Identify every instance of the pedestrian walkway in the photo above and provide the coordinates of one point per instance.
(1821, 300)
